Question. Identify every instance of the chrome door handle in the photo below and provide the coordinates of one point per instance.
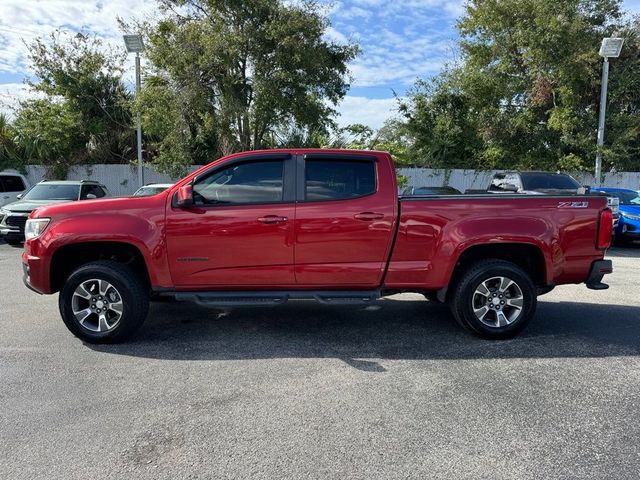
(368, 216)
(269, 219)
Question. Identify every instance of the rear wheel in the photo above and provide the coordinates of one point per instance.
(103, 302)
(494, 298)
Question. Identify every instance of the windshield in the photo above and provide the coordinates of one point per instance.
(51, 191)
(548, 181)
(626, 198)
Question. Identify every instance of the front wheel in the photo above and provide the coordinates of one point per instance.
(494, 298)
(103, 302)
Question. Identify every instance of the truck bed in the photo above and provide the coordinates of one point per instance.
(434, 231)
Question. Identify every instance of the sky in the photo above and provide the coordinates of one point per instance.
(401, 40)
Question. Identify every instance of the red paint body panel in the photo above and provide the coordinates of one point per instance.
(411, 244)
(334, 248)
(433, 234)
(228, 246)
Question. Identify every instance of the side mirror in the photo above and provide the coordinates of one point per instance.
(91, 196)
(19, 196)
(509, 187)
(185, 196)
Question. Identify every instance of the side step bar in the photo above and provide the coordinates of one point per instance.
(229, 299)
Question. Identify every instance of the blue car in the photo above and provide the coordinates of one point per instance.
(629, 226)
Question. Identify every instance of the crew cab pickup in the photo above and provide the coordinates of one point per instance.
(265, 227)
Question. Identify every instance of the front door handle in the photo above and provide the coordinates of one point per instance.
(368, 216)
(269, 219)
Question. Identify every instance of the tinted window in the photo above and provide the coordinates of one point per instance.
(11, 183)
(251, 182)
(548, 181)
(626, 197)
(94, 190)
(52, 191)
(339, 179)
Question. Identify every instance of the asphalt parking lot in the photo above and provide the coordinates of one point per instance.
(309, 391)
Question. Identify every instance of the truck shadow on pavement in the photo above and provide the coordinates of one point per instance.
(365, 337)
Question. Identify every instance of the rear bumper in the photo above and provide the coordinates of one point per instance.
(599, 269)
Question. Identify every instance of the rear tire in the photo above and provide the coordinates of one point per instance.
(104, 302)
(494, 299)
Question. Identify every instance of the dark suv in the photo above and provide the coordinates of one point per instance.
(13, 216)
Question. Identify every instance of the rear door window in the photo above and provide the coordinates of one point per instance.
(339, 179)
(95, 191)
(11, 183)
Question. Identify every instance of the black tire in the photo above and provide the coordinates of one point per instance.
(133, 293)
(466, 295)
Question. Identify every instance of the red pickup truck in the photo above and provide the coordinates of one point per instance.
(265, 227)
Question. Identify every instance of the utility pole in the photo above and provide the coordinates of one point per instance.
(134, 44)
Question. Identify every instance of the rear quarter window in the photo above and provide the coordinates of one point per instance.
(11, 183)
(339, 179)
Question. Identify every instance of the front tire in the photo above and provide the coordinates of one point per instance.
(494, 299)
(104, 302)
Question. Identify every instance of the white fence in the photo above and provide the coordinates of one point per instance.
(476, 179)
(119, 179)
(123, 179)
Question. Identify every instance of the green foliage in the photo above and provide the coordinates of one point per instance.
(11, 155)
(234, 76)
(52, 132)
(526, 91)
(392, 138)
(83, 111)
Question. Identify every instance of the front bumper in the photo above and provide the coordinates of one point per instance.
(12, 225)
(630, 227)
(9, 232)
(599, 269)
(35, 273)
(26, 278)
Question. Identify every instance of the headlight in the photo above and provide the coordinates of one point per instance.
(34, 227)
(630, 216)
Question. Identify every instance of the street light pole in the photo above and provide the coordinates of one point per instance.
(139, 125)
(603, 111)
(610, 48)
(134, 44)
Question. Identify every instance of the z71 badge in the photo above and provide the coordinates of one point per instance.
(573, 204)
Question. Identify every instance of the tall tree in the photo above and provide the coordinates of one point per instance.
(83, 110)
(233, 74)
(527, 88)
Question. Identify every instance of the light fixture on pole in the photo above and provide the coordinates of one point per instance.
(135, 45)
(610, 48)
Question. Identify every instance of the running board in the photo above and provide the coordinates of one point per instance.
(230, 299)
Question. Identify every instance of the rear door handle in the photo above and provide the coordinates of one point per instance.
(268, 219)
(368, 216)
